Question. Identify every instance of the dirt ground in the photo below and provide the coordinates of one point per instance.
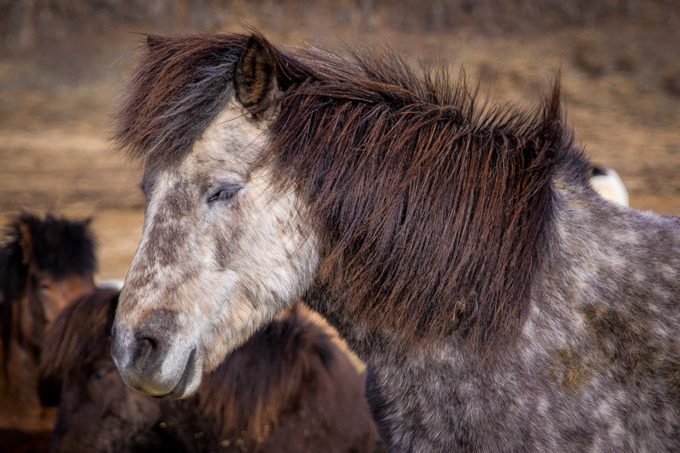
(621, 86)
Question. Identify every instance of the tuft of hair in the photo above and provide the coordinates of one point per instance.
(434, 210)
(181, 84)
(177, 90)
(268, 375)
(58, 246)
(79, 336)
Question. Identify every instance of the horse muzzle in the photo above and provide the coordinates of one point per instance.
(150, 361)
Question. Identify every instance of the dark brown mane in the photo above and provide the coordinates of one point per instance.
(78, 336)
(289, 357)
(435, 210)
(248, 392)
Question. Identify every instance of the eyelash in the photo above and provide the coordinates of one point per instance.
(225, 192)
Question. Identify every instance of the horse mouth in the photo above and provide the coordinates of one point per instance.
(188, 382)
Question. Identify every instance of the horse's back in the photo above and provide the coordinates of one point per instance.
(599, 353)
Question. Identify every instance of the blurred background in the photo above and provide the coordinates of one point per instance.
(63, 63)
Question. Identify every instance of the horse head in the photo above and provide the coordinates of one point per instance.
(223, 248)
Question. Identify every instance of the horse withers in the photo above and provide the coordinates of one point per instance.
(45, 263)
(290, 388)
(499, 302)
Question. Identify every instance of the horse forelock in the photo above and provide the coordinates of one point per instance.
(178, 88)
(286, 361)
(13, 267)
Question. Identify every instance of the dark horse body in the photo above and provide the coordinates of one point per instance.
(288, 389)
(499, 302)
(45, 263)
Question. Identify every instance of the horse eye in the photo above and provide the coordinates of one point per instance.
(224, 192)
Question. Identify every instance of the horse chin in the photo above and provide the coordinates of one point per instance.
(178, 378)
(189, 380)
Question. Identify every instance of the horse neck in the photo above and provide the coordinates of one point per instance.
(21, 344)
(603, 233)
(593, 244)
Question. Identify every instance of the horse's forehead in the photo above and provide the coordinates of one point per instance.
(231, 142)
(225, 151)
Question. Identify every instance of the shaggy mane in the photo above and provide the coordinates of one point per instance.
(79, 335)
(59, 246)
(291, 356)
(434, 210)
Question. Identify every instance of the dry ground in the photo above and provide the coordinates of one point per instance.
(621, 84)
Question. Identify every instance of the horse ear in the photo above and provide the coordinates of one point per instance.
(255, 79)
(26, 244)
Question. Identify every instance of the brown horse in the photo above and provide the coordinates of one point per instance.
(499, 302)
(288, 389)
(45, 263)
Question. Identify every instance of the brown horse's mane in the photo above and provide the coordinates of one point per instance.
(289, 357)
(255, 384)
(435, 208)
(59, 247)
(79, 335)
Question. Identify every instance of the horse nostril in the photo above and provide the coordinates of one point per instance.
(145, 349)
(138, 351)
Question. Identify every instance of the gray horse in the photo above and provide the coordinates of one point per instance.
(499, 302)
